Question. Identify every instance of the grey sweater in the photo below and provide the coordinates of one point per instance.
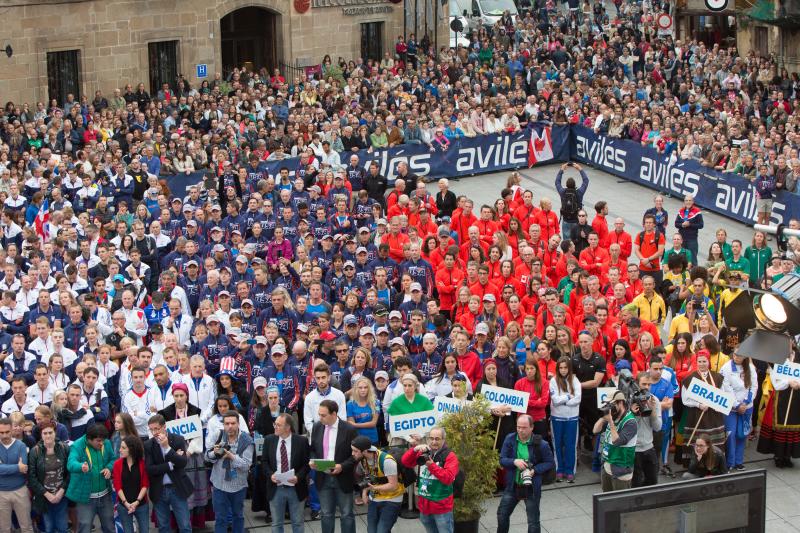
(645, 426)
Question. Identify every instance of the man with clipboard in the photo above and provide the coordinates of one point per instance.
(285, 459)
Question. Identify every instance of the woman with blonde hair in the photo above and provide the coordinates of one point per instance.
(362, 410)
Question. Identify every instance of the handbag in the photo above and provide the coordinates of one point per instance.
(744, 424)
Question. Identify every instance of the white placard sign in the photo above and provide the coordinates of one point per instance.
(188, 428)
(788, 370)
(604, 394)
(412, 424)
(500, 397)
(705, 394)
(443, 405)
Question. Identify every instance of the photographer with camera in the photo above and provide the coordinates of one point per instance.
(231, 456)
(437, 475)
(526, 457)
(380, 482)
(647, 409)
(619, 428)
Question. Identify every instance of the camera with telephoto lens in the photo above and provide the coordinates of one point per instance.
(609, 407)
(636, 396)
(423, 457)
(527, 475)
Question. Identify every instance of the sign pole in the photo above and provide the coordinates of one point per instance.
(788, 408)
(697, 425)
(497, 431)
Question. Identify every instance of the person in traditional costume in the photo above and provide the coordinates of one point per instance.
(699, 418)
(780, 427)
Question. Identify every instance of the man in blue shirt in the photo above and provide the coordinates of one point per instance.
(664, 384)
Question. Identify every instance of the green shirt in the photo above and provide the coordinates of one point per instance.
(759, 260)
(401, 405)
(683, 251)
(522, 453)
(740, 265)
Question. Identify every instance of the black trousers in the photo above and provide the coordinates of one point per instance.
(645, 468)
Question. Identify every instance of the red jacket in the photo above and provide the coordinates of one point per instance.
(537, 401)
(470, 364)
(594, 261)
(445, 474)
(116, 475)
(396, 243)
(548, 221)
(447, 283)
(624, 241)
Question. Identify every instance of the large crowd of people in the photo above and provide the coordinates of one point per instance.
(297, 313)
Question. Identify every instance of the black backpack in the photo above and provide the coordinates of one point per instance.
(570, 204)
(405, 475)
(458, 482)
(549, 476)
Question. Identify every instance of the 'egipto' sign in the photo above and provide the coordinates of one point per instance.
(412, 424)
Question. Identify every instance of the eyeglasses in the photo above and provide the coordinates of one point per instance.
(342, 351)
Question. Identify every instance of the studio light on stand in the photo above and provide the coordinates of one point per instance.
(776, 312)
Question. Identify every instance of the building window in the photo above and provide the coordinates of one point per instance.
(762, 41)
(372, 40)
(163, 58)
(64, 75)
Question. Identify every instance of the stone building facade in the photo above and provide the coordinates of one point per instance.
(62, 46)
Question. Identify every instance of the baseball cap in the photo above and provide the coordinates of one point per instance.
(192, 262)
(397, 340)
(619, 396)
(218, 248)
(366, 330)
(241, 259)
(156, 329)
(327, 236)
(381, 310)
(381, 374)
(381, 222)
(302, 327)
(259, 382)
(382, 330)
(364, 444)
(416, 287)
(361, 250)
(192, 222)
(262, 340)
(350, 319)
(119, 277)
(178, 200)
(216, 228)
(363, 229)
(187, 208)
(489, 297)
(220, 294)
(349, 264)
(395, 314)
(247, 301)
(482, 329)
(278, 348)
(327, 336)
(212, 318)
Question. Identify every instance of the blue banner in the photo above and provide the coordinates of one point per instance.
(721, 192)
(724, 193)
(464, 157)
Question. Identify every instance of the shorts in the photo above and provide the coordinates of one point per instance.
(764, 206)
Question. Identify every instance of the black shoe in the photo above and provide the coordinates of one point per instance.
(739, 467)
(314, 515)
(779, 463)
(268, 518)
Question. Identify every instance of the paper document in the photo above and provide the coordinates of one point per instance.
(284, 477)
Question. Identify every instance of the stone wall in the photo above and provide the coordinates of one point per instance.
(112, 37)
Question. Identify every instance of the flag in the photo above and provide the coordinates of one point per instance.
(540, 147)
(42, 220)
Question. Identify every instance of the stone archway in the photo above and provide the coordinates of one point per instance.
(249, 38)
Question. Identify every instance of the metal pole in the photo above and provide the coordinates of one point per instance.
(405, 20)
(773, 230)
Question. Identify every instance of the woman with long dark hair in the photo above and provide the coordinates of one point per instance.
(565, 402)
(131, 484)
(740, 378)
(539, 390)
(707, 459)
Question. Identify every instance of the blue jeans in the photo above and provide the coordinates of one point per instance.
(565, 442)
(509, 501)
(330, 497)
(229, 508)
(55, 517)
(283, 497)
(142, 516)
(170, 501)
(381, 516)
(102, 507)
(437, 523)
(313, 497)
(566, 228)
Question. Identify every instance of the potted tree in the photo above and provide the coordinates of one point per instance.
(470, 435)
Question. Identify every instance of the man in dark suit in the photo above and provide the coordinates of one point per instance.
(284, 451)
(170, 486)
(331, 440)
